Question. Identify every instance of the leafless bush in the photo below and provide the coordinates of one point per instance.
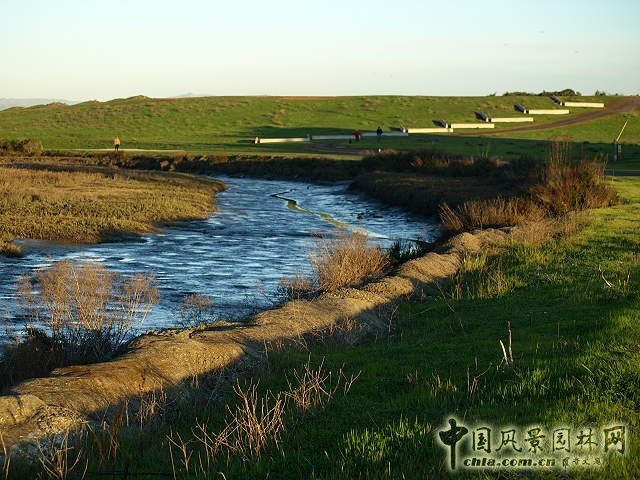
(196, 309)
(567, 184)
(347, 260)
(25, 146)
(294, 288)
(571, 187)
(87, 311)
(315, 387)
(257, 421)
(253, 424)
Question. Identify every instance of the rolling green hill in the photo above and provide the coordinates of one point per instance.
(228, 125)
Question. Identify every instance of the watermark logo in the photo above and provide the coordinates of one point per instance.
(487, 446)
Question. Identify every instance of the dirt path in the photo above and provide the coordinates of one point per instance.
(621, 105)
(135, 150)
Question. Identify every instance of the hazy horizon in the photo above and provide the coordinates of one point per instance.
(98, 50)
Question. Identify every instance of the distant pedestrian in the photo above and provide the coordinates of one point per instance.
(379, 132)
(357, 134)
(116, 144)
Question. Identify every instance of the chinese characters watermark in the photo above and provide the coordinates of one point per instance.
(563, 447)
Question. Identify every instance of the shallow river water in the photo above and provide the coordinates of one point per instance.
(262, 230)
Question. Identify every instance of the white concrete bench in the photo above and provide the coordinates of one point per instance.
(511, 119)
(472, 125)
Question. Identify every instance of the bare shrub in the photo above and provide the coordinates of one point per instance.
(294, 288)
(25, 146)
(347, 260)
(88, 312)
(255, 423)
(565, 184)
(196, 309)
(314, 387)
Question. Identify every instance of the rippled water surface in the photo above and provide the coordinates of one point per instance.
(261, 231)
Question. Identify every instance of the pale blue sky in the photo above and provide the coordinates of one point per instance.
(95, 49)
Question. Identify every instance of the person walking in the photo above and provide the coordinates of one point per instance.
(379, 132)
(116, 143)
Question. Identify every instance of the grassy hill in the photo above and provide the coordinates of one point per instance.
(228, 125)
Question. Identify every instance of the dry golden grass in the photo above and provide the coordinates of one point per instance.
(490, 213)
(537, 232)
(562, 186)
(570, 187)
(49, 201)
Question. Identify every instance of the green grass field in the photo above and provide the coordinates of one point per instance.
(228, 125)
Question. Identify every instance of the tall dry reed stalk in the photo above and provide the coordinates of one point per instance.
(61, 461)
(256, 421)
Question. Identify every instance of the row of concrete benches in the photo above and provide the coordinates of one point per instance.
(443, 126)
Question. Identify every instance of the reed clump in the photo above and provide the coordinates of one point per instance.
(499, 212)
